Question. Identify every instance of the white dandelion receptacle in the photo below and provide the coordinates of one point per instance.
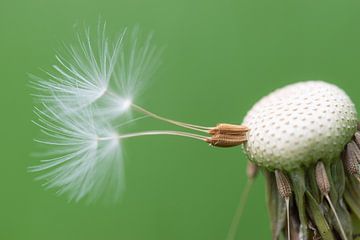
(300, 124)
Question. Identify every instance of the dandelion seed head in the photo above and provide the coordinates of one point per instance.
(300, 124)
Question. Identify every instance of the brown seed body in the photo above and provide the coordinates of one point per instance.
(227, 135)
(350, 159)
(229, 129)
(322, 178)
(355, 149)
(357, 138)
(223, 140)
(283, 185)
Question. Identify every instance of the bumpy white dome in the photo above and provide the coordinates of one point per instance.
(300, 124)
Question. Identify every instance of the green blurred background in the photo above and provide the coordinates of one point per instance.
(220, 57)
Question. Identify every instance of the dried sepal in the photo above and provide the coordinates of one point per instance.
(316, 213)
(312, 185)
(353, 203)
(299, 187)
(352, 195)
(338, 178)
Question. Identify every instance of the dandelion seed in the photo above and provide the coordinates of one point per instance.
(78, 104)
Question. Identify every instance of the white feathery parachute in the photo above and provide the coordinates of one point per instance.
(84, 103)
(93, 83)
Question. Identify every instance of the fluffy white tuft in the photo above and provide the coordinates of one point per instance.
(93, 70)
(78, 161)
(83, 74)
(137, 62)
(87, 93)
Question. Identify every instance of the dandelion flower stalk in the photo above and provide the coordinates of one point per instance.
(252, 171)
(304, 137)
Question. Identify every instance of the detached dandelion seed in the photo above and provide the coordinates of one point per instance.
(78, 106)
(304, 137)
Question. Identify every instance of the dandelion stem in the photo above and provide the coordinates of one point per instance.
(181, 124)
(149, 133)
(240, 209)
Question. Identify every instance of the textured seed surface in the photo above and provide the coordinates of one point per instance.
(321, 178)
(350, 158)
(283, 184)
(223, 140)
(299, 124)
(229, 129)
